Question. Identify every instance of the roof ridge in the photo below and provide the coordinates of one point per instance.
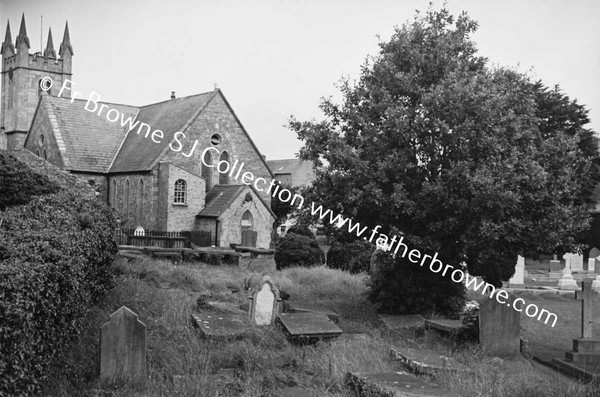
(174, 99)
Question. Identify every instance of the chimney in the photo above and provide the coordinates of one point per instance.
(172, 94)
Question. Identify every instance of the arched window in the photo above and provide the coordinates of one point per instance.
(247, 221)
(44, 154)
(207, 171)
(114, 194)
(224, 177)
(41, 139)
(126, 204)
(140, 202)
(180, 192)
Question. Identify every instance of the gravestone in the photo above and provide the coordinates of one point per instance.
(396, 384)
(555, 266)
(447, 326)
(594, 253)
(567, 282)
(584, 360)
(122, 347)
(499, 327)
(576, 262)
(593, 260)
(426, 362)
(518, 279)
(264, 305)
(378, 261)
(308, 327)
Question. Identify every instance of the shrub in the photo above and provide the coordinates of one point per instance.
(354, 257)
(298, 250)
(302, 230)
(57, 253)
(402, 287)
(18, 184)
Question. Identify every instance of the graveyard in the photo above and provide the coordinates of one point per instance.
(357, 351)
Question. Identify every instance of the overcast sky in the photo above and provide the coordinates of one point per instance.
(273, 59)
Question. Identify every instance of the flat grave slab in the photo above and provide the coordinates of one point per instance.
(445, 325)
(219, 326)
(309, 307)
(402, 321)
(308, 326)
(391, 384)
(427, 362)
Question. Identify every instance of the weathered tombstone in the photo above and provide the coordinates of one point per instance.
(518, 279)
(378, 261)
(122, 347)
(585, 357)
(594, 253)
(596, 284)
(264, 306)
(554, 266)
(139, 231)
(499, 327)
(592, 261)
(308, 327)
(577, 262)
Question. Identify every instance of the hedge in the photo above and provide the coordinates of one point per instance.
(354, 257)
(56, 254)
(298, 250)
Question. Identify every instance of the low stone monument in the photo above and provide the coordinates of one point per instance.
(499, 327)
(122, 347)
(518, 279)
(567, 282)
(264, 305)
(584, 360)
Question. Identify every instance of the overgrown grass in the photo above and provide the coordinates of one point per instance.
(164, 296)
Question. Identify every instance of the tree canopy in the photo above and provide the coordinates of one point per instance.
(474, 162)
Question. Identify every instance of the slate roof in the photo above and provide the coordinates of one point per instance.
(139, 153)
(91, 141)
(220, 197)
(300, 170)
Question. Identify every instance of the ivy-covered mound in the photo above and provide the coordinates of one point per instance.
(56, 252)
(298, 250)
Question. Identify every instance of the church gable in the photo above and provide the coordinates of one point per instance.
(44, 139)
(86, 141)
(218, 127)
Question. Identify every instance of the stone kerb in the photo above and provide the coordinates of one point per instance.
(264, 305)
(122, 347)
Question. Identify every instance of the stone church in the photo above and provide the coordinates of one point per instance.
(148, 184)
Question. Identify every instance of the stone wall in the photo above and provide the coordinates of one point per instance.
(182, 217)
(133, 197)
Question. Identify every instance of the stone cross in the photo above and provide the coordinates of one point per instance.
(264, 307)
(587, 308)
(122, 347)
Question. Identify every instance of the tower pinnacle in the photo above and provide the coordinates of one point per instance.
(22, 37)
(66, 42)
(7, 41)
(49, 51)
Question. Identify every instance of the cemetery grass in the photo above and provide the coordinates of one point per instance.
(164, 296)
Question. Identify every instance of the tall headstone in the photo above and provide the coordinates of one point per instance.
(499, 327)
(593, 260)
(264, 307)
(122, 347)
(518, 279)
(577, 262)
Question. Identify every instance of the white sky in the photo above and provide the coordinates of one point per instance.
(273, 59)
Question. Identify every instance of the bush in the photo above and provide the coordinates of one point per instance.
(298, 250)
(19, 184)
(354, 257)
(302, 230)
(402, 287)
(57, 254)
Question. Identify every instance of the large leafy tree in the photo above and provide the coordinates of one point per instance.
(476, 163)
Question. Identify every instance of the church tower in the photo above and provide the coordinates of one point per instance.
(21, 76)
